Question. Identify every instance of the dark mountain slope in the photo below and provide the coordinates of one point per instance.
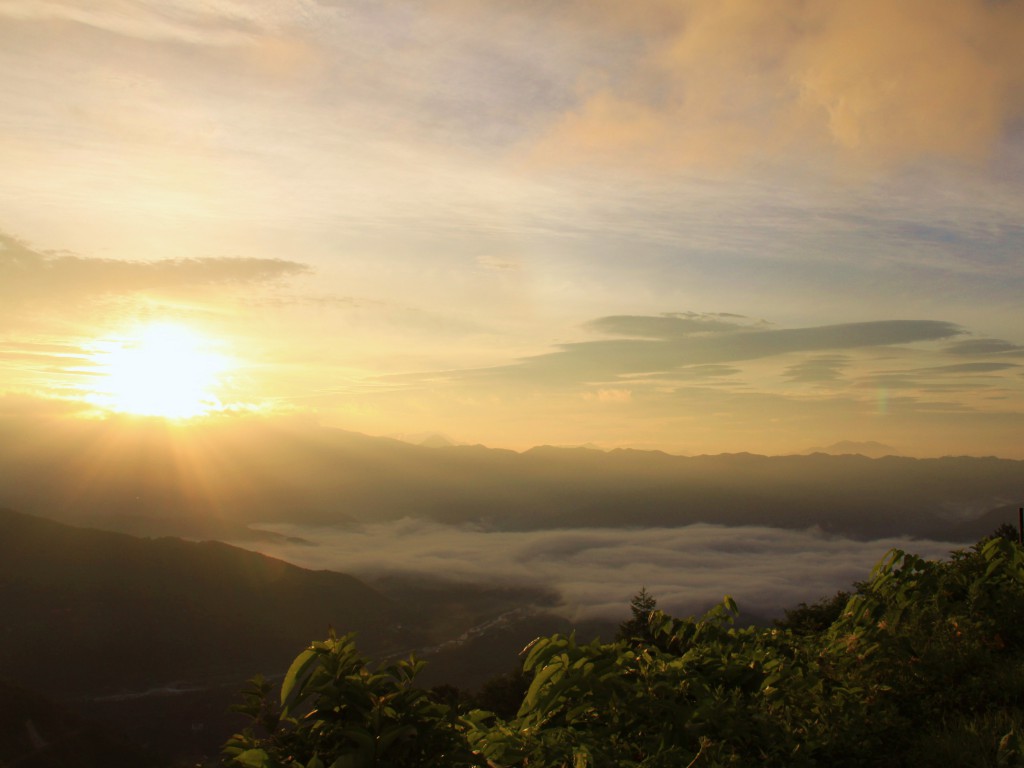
(154, 637)
(88, 611)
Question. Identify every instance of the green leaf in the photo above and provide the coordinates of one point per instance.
(298, 668)
(255, 758)
(535, 650)
(545, 674)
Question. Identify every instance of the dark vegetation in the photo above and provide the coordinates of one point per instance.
(638, 627)
(922, 666)
(35, 732)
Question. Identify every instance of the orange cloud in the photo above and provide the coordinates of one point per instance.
(865, 80)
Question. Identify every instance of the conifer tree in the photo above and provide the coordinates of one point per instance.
(642, 606)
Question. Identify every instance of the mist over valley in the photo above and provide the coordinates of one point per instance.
(593, 572)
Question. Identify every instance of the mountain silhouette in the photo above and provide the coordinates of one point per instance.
(142, 613)
(217, 480)
(870, 448)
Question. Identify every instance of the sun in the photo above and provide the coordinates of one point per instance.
(162, 369)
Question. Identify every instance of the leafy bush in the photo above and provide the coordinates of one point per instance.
(924, 665)
(337, 712)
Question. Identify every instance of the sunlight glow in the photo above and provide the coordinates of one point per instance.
(163, 369)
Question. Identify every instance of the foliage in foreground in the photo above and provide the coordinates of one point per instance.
(923, 666)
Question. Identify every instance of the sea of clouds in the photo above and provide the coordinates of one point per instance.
(597, 570)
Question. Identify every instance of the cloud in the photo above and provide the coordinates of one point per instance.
(674, 342)
(818, 369)
(31, 275)
(666, 326)
(985, 348)
(496, 263)
(610, 396)
(712, 383)
(969, 368)
(869, 80)
(693, 373)
(18, 410)
(597, 570)
(960, 377)
(168, 21)
(65, 358)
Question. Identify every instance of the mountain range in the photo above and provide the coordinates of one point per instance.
(214, 481)
(870, 448)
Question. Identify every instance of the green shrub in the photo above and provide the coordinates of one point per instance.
(923, 666)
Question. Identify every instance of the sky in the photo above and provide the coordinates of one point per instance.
(696, 226)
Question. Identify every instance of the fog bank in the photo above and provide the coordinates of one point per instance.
(597, 570)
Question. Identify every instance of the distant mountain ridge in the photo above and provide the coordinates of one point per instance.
(214, 481)
(869, 448)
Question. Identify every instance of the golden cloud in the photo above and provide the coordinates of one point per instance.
(868, 80)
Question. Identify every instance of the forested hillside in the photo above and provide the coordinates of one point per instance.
(142, 612)
(150, 637)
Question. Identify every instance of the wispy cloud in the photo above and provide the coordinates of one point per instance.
(969, 368)
(221, 22)
(674, 342)
(669, 326)
(958, 377)
(28, 275)
(496, 263)
(986, 348)
(818, 369)
(63, 357)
